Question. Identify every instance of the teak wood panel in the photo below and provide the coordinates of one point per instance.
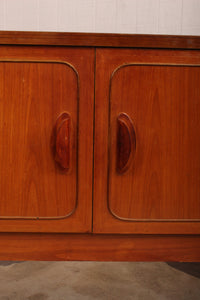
(163, 178)
(93, 247)
(33, 95)
(99, 39)
(40, 86)
(160, 190)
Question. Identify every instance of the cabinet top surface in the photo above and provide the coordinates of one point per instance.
(99, 40)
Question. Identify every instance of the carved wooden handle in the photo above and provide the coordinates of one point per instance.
(126, 142)
(62, 141)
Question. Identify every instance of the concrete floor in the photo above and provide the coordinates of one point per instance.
(99, 280)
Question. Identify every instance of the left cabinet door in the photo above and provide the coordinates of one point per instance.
(46, 130)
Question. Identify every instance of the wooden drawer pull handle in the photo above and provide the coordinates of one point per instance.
(126, 142)
(62, 141)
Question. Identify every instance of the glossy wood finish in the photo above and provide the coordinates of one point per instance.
(125, 142)
(166, 170)
(99, 247)
(31, 102)
(32, 186)
(63, 141)
(37, 85)
(160, 191)
(99, 39)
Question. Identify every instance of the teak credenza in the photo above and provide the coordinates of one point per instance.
(99, 147)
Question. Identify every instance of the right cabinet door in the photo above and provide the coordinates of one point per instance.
(147, 141)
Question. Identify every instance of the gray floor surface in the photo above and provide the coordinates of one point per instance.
(99, 280)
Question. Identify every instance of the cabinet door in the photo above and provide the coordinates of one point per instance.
(46, 138)
(147, 141)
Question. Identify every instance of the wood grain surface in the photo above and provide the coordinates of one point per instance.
(163, 182)
(33, 95)
(99, 247)
(99, 39)
(160, 192)
(37, 86)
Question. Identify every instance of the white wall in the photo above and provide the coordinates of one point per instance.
(122, 16)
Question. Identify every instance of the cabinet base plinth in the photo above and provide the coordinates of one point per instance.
(93, 247)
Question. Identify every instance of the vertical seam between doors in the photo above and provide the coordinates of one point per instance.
(93, 139)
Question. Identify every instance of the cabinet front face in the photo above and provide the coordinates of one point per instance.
(147, 130)
(46, 117)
